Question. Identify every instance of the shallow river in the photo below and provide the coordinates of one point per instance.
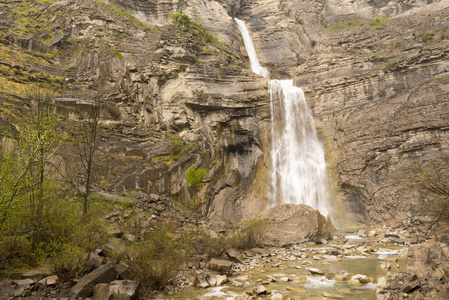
(301, 284)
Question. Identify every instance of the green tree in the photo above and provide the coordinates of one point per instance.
(26, 169)
(194, 177)
(37, 146)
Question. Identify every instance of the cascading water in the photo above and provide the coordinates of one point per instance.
(298, 166)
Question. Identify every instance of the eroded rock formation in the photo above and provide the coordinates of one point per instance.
(375, 75)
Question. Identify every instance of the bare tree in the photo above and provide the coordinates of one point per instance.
(80, 152)
(432, 181)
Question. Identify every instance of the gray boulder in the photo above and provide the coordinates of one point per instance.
(220, 265)
(117, 290)
(85, 286)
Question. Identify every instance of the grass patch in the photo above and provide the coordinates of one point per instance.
(196, 29)
(116, 52)
(376, 22)
(379, 53)
(445, 77)
(389, 64)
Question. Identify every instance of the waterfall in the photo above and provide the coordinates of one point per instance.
(298, 172)
(249, 46)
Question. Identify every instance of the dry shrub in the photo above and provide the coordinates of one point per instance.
(249, 235)
(156, 260)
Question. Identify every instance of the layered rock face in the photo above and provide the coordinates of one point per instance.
(378, 88)
(376, 77)
(426, 276)
(162, 86)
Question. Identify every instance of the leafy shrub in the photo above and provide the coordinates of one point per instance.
(194, 176)
(177, 146)
(428, 36)
(181, 19)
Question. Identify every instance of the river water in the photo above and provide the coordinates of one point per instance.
(282, 265)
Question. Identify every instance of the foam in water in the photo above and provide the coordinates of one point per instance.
(319, 282)
(385, 251)
(298, 164)
(353, 237)
(216, 292)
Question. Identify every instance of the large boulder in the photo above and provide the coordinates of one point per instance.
(221, 265)
(291, 224)
(84, 288)
(117, 290)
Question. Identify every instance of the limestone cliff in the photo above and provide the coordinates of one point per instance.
(375, 74)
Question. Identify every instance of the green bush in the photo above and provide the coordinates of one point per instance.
(194, 176)
(177, 146)
(181, 19)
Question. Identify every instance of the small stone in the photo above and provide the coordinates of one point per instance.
(236, 283)
(130, 237)
(385, 265)
(50, 280)
(235, 255)
(315, 271)
(354, 282)
(362, 233)
(24, 282)
(221, 279)
(201, 282)
(285, 279)
(333, 296)
(259, 290)
(363, 279)
(211, 280)
(276, 296)
(36, 274)
(342, 276)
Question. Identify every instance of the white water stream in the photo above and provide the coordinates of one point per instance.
(298, 173)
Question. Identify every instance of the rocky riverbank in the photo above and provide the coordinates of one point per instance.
(389, 262)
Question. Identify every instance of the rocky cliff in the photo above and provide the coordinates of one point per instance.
(375, 74)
